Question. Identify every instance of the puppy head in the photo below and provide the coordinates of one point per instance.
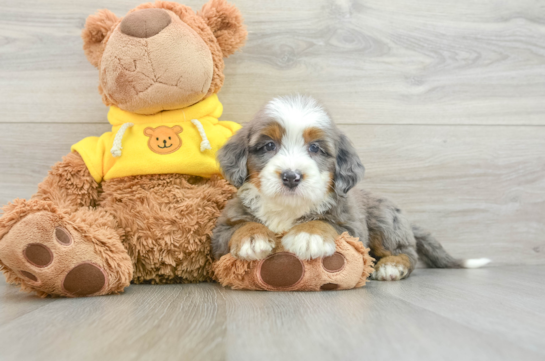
(292, 151)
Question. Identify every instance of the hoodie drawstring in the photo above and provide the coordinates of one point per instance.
(205, 144)
(116, 147)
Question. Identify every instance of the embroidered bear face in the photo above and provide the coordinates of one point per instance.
(163, 139)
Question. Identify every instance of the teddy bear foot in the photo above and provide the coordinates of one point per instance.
(347, 268)
(46, 253)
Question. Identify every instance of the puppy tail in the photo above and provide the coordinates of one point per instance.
(434, 255)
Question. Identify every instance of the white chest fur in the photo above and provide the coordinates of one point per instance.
(279, 214)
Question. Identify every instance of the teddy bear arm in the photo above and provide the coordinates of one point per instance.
(69, 184)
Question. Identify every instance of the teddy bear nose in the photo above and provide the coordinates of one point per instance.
(145, 23)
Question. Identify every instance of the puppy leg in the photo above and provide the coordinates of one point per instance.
(252, 241)
(311, 240)
(241, 234)
(391, 241)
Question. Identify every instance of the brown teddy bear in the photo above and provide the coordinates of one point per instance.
(137, 204)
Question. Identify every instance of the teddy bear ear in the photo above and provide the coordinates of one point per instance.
(96, 28)
(177, 129)
(149, 131)
(226, 23)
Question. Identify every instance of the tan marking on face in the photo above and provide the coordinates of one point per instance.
(312, 134)
(253, 176)
(331, 183)
(274, 131)
(320, 228)
(163, 139)
(246, 232)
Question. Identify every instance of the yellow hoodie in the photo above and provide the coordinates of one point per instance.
(173, 141)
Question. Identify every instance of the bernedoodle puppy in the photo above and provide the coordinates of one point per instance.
(296, 174)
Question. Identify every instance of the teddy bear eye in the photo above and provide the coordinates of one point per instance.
(168, 138)
(157, 138)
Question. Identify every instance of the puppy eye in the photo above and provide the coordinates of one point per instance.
(269, 147)
(314, 148)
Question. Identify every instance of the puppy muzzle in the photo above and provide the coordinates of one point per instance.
(291, 179)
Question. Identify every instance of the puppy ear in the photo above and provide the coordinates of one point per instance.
(349, 170)
(226, 23)
(96, 28)
(233, 158)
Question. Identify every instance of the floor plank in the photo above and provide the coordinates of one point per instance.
(482, 300)
(351, 325)
(14, 303)
(176, 323)
(435, 314)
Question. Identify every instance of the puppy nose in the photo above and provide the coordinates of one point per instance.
(291, 179)
(145, 23)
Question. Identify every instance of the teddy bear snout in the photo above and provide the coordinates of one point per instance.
(145, 23)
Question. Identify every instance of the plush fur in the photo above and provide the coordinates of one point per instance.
(167, 222)
(141, 229)
(296, 173)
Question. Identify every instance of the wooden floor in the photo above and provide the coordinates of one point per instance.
(485, 314)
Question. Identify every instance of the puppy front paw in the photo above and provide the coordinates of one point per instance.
(252, 248)
(253, 241)
(311, 240)
(308, 246)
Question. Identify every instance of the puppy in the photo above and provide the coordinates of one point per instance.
(296, 174)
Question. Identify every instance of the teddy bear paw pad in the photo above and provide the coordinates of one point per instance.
(38, 255)
(329, 287)
(29, 275)
(83, 280)
(334, 263)
(281, 270)
(63, 236)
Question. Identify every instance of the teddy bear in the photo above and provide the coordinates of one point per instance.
(137, 204)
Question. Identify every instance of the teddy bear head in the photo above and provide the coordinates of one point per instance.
(162, 55)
